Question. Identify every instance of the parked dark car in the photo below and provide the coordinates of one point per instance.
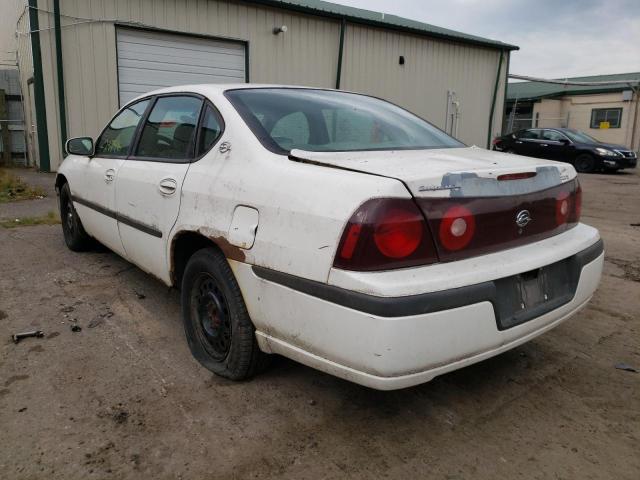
(585, 153)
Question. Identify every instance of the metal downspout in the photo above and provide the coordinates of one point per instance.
(38, 88)
(61, 97)
(506, 84)
(343, 27)
(494, 98)
(636, 92)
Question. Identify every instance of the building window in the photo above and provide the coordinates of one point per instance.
(611, 115)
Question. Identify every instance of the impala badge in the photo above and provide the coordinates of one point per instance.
(523, 218)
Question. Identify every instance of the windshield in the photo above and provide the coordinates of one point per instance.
(579, 137)
(330, 121)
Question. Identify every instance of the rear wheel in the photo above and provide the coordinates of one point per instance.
(219, 331)
(585, 163)
(74, 235)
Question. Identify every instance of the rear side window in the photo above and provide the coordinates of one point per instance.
(552, 135)
(210, 130)
(117, 137)
(169, 131)
(535, 134)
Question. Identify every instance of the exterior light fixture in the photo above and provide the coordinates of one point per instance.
(282, 29)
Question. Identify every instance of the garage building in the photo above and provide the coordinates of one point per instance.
(81, 60)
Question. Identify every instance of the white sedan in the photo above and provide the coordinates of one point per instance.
(333, 228)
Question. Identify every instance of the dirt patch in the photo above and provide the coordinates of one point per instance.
(631, 269)
(51, 218)
(13, 188)
(15, 378)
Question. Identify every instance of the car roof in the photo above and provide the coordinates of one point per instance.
(213, 90)
(218, 88)
(560, 129)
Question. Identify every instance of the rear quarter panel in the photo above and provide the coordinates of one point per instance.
(303, 208)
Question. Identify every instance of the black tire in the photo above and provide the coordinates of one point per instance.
(219, 331)
(75, 237)
(585, 163)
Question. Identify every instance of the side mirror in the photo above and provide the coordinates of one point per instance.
(80, 146)
(564, 141)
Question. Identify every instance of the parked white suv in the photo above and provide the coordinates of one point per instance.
(333, 228)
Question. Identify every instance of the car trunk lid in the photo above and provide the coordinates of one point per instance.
(475, 201)
(448, 171)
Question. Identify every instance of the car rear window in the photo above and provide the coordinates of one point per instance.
(284, 119)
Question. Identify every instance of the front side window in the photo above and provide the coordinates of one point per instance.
(580, 137)
(602, 116)
(284, 119)
(117, 137)
(170, 129)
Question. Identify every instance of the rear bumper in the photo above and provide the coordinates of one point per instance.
(492, 291)
(396, 342)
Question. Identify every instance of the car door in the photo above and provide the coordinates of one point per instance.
(527, 142)
(555, 146)
(148, 185)
(93, 178)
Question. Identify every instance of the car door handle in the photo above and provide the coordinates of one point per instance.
(168, 186)
(109, 175)
(518, 141)
(544, 145)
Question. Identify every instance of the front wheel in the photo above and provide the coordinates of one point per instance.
(74, 235)
(585, 163)
(219, 331)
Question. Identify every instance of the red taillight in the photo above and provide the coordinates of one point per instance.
(350, 241)
(569, 206)
(457, 228)
(468, 226)
(563, 208)
(577, 207)
(398, 233)
(496, 141)
(386, 233)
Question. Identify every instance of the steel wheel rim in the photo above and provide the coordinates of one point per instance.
(211, 316)
(67, 216)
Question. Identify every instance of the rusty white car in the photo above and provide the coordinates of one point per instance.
(333, 228)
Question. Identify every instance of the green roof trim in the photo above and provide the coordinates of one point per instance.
(383, 20)
(525, 91)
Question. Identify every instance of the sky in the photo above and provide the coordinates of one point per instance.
(557, 38)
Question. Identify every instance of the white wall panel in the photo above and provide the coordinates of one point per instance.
(150, 60)
(432, 67)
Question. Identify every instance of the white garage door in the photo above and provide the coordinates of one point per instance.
(150, 60)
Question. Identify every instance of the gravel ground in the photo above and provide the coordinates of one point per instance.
(122, 398)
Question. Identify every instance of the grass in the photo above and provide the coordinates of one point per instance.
(13, 188)
(50, 218)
